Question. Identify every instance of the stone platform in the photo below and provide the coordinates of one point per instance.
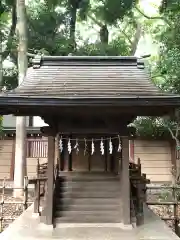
(27, 227)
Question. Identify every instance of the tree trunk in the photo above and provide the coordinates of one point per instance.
(137, 37)
(104, 34)
(20, 150)
(1, 63)
(73, 13)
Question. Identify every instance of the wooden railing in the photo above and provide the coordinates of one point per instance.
(40, 183)
(138, 183)
(37, 148)
(173, 202)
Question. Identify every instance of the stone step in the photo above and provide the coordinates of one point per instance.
(91, 180)
(88, 201)
(87, 213)
(88, 207)
(103, 186)
(89, 185)
(86, 173)
(88, 194)
(88, 219)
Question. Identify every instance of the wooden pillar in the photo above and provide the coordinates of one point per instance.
(125, 183)
(112, 160)
(56, 154)
(105, 156)
(62, 158)
(70, 159)
(50, 181)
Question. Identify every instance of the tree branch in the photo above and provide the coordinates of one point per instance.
(177, 130)
(95, 20)
(128, 38)
(153, 18)
(172, 134)
(7, 50)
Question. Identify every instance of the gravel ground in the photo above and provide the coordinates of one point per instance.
(10, 211)
(162, 210)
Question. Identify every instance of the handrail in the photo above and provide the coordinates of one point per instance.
(138, 188)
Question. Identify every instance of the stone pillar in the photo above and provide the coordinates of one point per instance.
(125, 183)
(20, 156)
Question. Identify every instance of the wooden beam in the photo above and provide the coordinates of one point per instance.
(125, 184)
(122, 131)
(48, 131)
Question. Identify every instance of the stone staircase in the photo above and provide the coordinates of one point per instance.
(88, 197)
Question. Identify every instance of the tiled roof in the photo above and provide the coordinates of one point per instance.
(87, 77)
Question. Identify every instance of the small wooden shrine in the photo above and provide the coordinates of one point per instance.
(88, 102)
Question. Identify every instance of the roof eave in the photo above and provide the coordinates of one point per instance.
(121, 102)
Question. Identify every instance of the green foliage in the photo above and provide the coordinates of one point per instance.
(116, 47)
(52, 24)
(150, 127)
(165, 69)
(84, 7)
(43, 30)
(169, 60)
(10, 79)
(112, 11)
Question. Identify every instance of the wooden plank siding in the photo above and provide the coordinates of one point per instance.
(156, 159)
(6, 155)
(37, 148)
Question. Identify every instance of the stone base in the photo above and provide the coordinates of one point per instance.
(94, 225)
(45, 227)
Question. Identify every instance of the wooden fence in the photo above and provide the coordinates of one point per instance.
(174, 201)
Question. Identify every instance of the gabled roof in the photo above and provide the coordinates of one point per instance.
(87, 77)
(119, 82)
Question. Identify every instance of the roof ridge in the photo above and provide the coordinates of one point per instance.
(40, 60)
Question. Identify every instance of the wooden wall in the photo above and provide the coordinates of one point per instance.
(155, 159)
(6, 156)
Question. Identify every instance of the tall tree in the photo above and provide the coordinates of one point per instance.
(20, 150)
(166, 74)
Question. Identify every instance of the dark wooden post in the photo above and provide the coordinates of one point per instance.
(175, 210)
(50, 181)
(70, 162)
(125, 184)
(36, 193)
(112, 160)
(25, 193)
(62, 161)
(105, 156)
(70, 158)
